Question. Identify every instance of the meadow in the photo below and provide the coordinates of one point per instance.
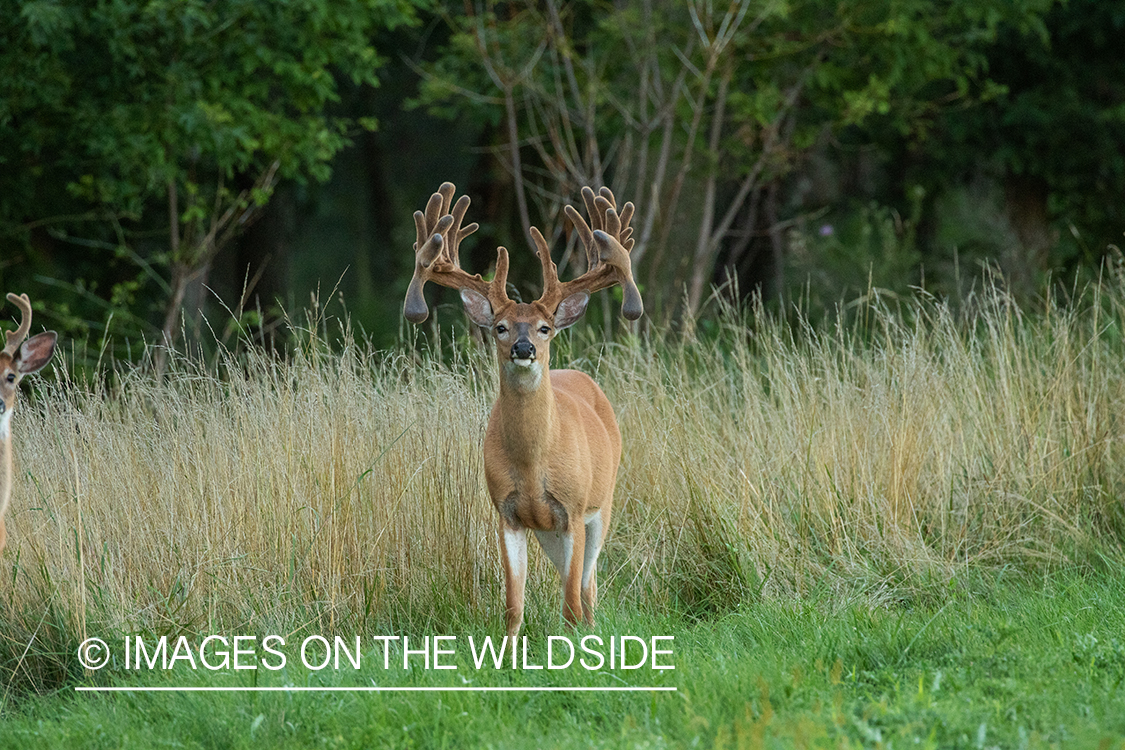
(899, 525)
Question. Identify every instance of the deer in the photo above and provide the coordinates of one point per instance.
(552, 446)
(18, 358)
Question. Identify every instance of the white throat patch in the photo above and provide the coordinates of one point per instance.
(524, 374)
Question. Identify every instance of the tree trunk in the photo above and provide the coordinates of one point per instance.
(777, 239)
(1025, 203)
(180, 280)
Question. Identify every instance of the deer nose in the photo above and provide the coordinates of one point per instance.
(523, 349)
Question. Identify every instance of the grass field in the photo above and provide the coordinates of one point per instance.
(1037, 663)
(902, 527)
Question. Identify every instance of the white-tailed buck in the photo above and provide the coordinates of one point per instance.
(17, 360)
(552, 446)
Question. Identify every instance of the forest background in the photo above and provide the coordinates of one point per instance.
(169, 167)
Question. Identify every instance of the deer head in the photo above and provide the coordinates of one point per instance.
(20, 358)
(523, 331)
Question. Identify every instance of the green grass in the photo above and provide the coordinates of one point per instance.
(1031, 664)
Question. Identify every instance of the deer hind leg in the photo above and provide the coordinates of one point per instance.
(513, 553)
(595, 536)
(559, 548)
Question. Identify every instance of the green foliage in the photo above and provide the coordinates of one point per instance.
(126, 122)
(133, 95)
(1056, 115)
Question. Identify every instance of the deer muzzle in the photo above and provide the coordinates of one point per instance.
(523, 351)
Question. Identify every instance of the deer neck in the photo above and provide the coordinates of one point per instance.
(528, 412)
(5, 460)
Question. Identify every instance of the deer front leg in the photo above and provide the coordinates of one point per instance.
(513, 554)
(572, 572)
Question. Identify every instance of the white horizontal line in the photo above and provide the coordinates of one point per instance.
(373, 689)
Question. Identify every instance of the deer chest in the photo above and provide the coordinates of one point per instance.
(539, 510)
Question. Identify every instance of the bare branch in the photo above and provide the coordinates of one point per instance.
(701, 269)
(473, 96)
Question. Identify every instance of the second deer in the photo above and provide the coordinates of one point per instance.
(18, 358)
(552, 446)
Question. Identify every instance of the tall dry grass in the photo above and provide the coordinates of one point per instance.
(343, 487)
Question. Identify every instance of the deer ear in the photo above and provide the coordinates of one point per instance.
(476, 305)
(570, 310)
(36, 352)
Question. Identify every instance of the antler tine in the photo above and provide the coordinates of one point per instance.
(498, 289)
(446, 191)
(608, 240)
(436, 251)
(584, 231)
(16, 337)
(550, 270)
(434, 209)
(457, 233)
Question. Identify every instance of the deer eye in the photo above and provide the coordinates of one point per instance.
(501, 328)
(544, 330)
(11, 377)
